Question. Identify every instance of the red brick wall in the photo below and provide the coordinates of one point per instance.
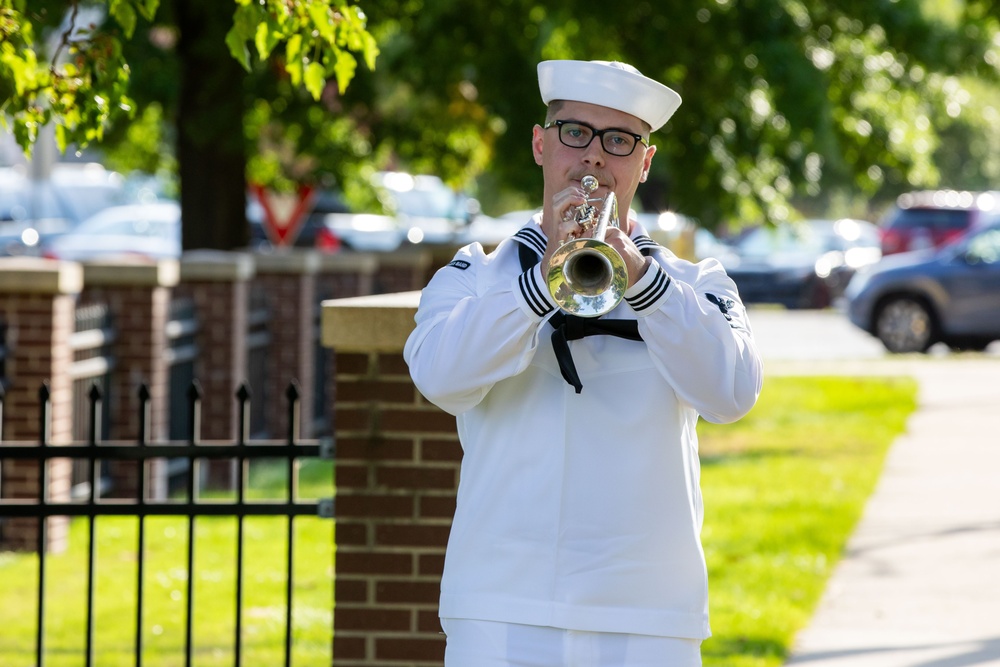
(397, 474)
(140, 314)
(291, 300)
(221, 367)
(39, 327)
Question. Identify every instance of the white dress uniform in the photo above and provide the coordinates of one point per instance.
(581, 511)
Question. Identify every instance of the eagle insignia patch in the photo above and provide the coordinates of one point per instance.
(725, 305)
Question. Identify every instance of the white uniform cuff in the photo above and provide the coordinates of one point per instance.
(532, 292)
(650, 291)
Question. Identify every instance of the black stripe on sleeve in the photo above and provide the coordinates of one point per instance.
(533, 238)
(533, 294)
(643, 242)
(656, 289)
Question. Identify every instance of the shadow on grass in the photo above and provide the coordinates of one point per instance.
(719, 648)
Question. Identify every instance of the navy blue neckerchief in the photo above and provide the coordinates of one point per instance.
(572, 327)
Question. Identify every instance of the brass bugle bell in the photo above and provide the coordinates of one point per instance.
(587, 277)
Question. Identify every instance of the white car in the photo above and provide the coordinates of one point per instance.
(151, 231)
(33, 209)
(419, 209)
(491, 231)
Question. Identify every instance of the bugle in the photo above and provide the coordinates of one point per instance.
(587, 277)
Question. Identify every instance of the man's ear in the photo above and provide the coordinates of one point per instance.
(647, 160)
(537, 139)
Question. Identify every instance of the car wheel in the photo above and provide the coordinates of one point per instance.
(905, 324)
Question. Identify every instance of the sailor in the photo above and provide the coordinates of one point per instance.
(576, 538)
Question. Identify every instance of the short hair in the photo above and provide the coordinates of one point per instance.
(555, 106)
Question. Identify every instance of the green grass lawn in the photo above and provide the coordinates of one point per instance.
(783, 489)
(265, 564)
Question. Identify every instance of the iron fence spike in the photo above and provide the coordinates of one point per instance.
(244, 392)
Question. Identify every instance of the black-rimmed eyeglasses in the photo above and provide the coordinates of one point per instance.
(579, 135)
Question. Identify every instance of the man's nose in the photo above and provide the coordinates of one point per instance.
(594, 153)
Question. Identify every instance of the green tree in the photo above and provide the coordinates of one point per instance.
(789, 105)
(786, 102)
(82, 85)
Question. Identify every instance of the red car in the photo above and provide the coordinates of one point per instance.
(931, 219)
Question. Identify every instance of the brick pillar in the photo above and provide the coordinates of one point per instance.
(397, 473)
(403, 271)
(138, 294)
(341, 275)
(38, 305)
(288, 279)
(218, 283)
(346, 274)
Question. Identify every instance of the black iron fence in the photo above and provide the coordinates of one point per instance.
(290, 452)
(93, 337)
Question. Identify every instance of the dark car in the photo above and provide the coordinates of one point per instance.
(803, 264)
(932, 219)
(912, 300)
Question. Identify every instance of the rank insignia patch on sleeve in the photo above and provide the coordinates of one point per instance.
(459, 264)
(725, 305)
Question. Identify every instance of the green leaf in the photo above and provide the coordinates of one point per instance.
(266, 39)
(148, 8)
(62, 141)
(238, 48)
(124, 14)
(315, 79)
(293, 59)
(344, 68)
(322, 22)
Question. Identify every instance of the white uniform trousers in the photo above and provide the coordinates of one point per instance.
(474, 643)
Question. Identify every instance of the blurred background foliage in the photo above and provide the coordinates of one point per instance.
(791, 107)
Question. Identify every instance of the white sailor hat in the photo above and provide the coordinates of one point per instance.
(608, 84)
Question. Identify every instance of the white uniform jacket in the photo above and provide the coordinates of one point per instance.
(580, 511)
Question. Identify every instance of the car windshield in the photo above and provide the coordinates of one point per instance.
(419, 196)
(426, 203)
(72, 192)
(159, 221)
(985, 247)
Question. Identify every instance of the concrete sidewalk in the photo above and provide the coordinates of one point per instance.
(919, 585)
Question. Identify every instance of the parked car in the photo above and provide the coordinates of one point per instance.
(931, 219)
(150, 231)
(32, 210)
(419, 209)
(910, 301)
(490, 231)
(801, 265)
(683, 235)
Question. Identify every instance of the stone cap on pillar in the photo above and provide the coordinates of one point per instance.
(377, 323)
(288, 261)
(133, 272)
(217, 266)
(35, 275)
(349, 262)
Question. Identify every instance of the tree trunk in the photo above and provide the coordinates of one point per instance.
(210, 144)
